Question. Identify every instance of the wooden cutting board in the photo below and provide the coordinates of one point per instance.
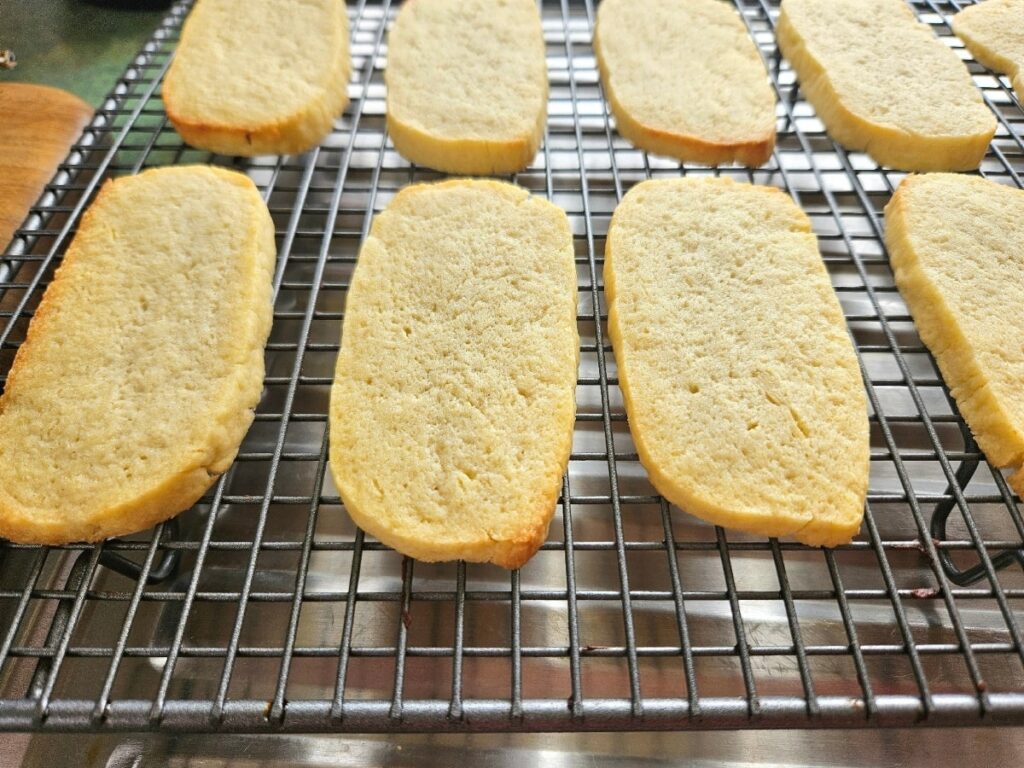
(38, 125)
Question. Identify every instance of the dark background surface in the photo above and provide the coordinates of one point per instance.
(80, 46)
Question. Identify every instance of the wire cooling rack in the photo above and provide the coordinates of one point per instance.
(264, 609)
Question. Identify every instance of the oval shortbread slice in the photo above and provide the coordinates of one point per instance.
(143, 362)
(467, 84)
(956, 244)
(684, 79)
(994, 33)
(453, 402)
(742, 389)
(881, 82)
(255, 77)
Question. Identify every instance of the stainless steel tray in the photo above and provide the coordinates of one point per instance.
(263, 609)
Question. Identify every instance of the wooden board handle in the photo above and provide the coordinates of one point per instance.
(38, 125)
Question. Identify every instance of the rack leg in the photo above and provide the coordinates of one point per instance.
(940, 517)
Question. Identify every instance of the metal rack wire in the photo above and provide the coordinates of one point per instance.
(264, 609)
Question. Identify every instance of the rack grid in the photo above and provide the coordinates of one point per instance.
(264, 609)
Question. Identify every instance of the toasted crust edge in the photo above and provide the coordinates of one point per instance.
(291, 135)
(804, 528)
(887, 144)
(288, 135)
(180, 490)
(510, 552)
(467, 155)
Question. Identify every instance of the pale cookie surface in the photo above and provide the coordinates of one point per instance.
(467, 84)
(255, 77)
(684, 79)
(994, 33)
(881, 82)
(956, 244)
(454, 396)
(742, 389)
(143, 361)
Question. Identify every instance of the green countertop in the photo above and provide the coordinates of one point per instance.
(77, 45)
